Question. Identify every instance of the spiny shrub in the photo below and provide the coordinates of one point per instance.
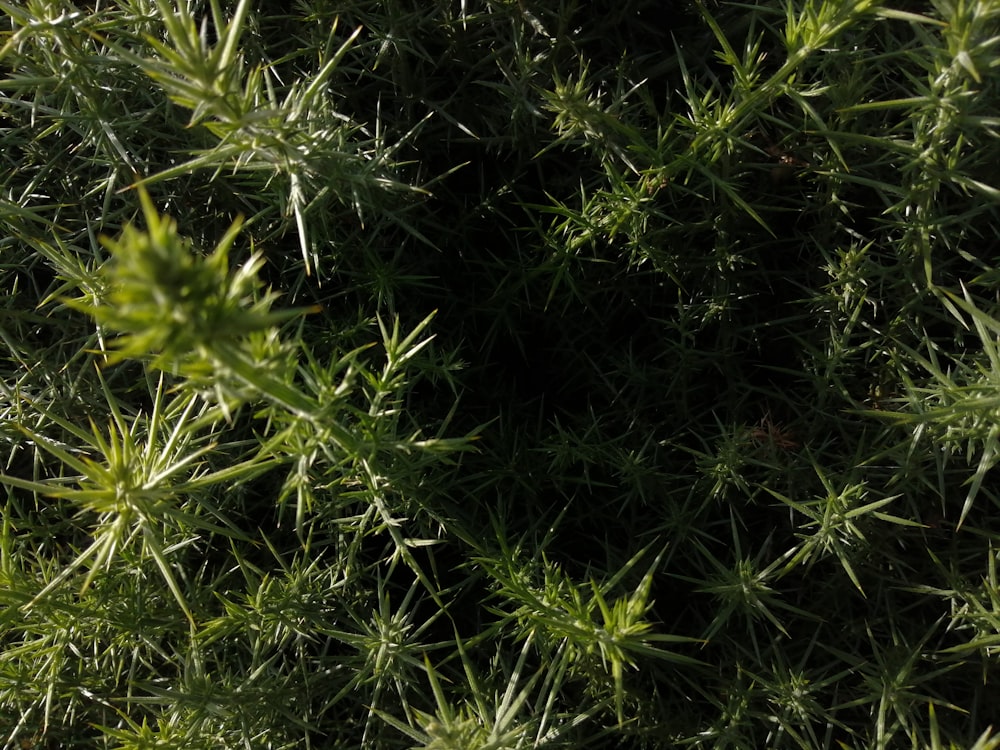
(499, 374)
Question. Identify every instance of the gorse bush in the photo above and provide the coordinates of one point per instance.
(495, 374)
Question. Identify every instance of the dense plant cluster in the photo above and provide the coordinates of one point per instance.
(499, 374)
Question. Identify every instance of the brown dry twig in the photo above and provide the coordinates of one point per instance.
(769, 432)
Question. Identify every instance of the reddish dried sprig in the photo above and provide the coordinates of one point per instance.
(773, 433)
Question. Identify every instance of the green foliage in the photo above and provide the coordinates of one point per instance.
(494, 374)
